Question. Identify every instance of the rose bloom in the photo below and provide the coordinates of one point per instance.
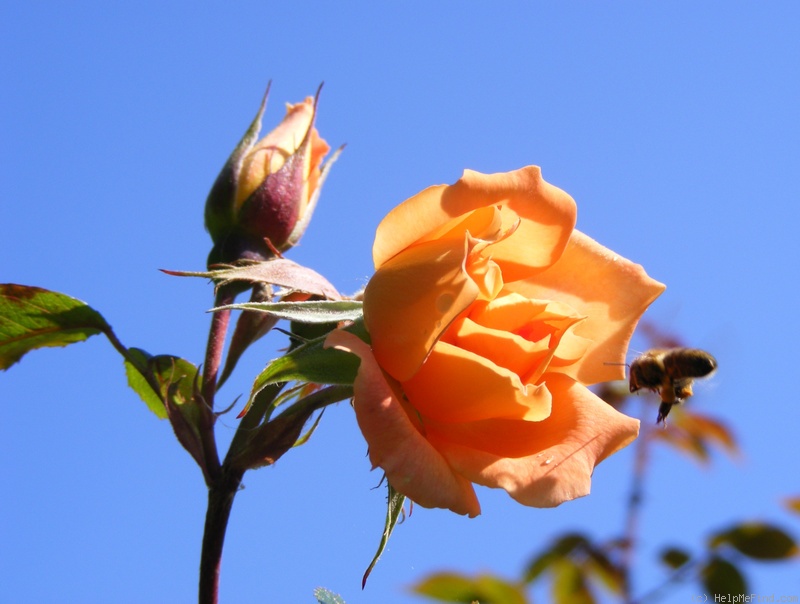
(488, 316)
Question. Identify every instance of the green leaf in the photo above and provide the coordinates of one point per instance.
(32, 317)
(394, 507)
(674, 557)
(722, 578)
(311, 362)
(757, 540)
(317, 311)
(486, 589)
(175, 377)
(139, 384)
(325, 596)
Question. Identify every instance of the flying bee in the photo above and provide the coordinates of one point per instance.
(670, 373)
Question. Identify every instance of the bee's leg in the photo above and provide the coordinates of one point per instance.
(663, 412)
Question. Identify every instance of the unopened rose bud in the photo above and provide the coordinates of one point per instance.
(265, 194)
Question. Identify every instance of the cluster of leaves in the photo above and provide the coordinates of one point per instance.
(175, 389)
(577, 568)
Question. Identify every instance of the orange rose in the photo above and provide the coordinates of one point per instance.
(489, 315)
(267, 190)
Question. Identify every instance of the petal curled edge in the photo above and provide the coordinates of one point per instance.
(540, 464)
(548, 215)
(611, 291)
(412, 299)
(412, 465)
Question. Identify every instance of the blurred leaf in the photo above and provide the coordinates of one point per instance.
(569, 584)
(757, 540)
(277, 271)
(394, 507)
(696, 434)
(793, 504)
(722, 578)
(315, 311)
(539, 565)
(32, 317)
(600, 566)
(558, 550)
(324, 596)
(674, 557)
(569, 543)
(485, 589)
(708, 429)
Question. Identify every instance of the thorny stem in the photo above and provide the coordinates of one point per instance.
(630, 536)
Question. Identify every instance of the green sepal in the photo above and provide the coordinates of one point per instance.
(281, 272)
(325, 596)
(394, 508)
(316, 311)
(220, 211)
(32, 317)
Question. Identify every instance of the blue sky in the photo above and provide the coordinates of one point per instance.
(674, 126)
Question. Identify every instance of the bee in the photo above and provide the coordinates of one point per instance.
(670, 373)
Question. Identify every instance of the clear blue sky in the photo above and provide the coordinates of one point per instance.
(674, 125)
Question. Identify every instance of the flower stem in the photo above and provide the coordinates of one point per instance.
(220, 501)
(208, 388)
(222, 482)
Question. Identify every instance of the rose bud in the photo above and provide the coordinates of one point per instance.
(265, 194)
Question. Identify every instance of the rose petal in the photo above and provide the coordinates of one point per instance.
(541, 464)
(503, 348)
(412, 299)
(455, 385)
(609, 290)
(412, 465)
(270, 153)
(548, 212)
